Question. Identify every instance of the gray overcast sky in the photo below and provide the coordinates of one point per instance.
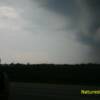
(50, 31)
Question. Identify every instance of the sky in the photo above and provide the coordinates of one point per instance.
(50, 31)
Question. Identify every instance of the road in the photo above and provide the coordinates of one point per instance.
(36, 91)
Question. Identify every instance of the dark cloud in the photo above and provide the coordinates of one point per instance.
(65, 7)
(94, 24)
(85, 18)
(83, 13)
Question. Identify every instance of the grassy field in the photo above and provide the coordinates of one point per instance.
(37, 91)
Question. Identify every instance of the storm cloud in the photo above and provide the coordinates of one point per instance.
(84, 16)
(50, 31)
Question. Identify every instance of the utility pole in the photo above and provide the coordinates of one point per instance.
(0, 60)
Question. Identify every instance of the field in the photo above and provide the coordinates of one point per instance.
(52, 82)
(36, 91)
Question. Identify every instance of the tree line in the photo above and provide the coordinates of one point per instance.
(53, 73)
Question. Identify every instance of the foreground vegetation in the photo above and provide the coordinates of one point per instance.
(51, 73)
